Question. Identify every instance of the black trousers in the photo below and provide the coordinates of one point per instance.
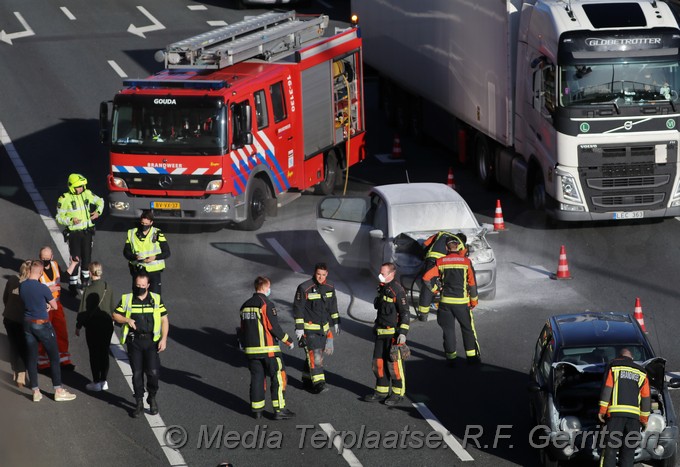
(17, 345)
(260, 369)
(144, 360)
(80, 245)
(154, 281)
(386, 371)
(447, 315)
(621, 426)
(98, 337)
(314, 357)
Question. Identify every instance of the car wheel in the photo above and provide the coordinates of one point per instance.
(256, 205)
(670, 462)
(330, 178)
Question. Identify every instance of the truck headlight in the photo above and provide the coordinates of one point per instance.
(118, 182)
(214, 185)
(569, 188)
(675, 200)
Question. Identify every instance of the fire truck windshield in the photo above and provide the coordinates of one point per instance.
(168, 125)
(622, 84)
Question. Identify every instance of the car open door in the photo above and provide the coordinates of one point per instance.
(344, 224)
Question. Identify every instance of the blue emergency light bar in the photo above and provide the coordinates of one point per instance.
(175, 83)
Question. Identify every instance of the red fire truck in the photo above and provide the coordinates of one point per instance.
(241, 121)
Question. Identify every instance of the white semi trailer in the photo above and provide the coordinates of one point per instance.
(572, 104)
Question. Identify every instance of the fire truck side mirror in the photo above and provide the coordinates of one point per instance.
(104, 122)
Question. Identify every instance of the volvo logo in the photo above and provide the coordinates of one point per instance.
(165, 181)
(628, 125)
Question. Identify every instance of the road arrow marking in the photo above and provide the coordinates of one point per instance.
(139, 31)
(4, 37)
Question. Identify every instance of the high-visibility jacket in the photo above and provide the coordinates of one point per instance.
(128, 309)
(260, 330)
(459, 285)
(45, 279)
(393, 316)
(435, 245)
(149, 245)
(625, 392)
(73, 206)
(315, 305)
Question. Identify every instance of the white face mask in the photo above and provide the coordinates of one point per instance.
(382, 278)
(268, 293)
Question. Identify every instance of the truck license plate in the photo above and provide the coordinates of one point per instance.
(629, 215)
(164, 205)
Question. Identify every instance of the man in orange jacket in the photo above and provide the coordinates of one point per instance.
(51, 277)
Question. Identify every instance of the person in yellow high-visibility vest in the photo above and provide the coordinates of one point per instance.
(145, 331)
(77, 210)
(146, 249)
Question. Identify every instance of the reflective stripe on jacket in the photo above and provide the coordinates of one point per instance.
(128, 309)
(459, 285)
(148, 246)
(57, 279)
(73, 206)
(625, 391)
(260, 330)
(315, 305)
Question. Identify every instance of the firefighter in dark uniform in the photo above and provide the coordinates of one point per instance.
(145, 330)
(458, 299)
(624, 406)
(259, 336)
(391, 327)
(315, 306)
(435, 248)
(146, 249)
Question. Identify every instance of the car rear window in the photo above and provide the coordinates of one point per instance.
(601, 354)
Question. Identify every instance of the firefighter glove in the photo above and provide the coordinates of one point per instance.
(401, 339)
(329, 347)
(290, 344)
(399, 351)
(336, 329)
(299, 333)
(600, 416)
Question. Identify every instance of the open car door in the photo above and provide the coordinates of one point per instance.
(344, 224)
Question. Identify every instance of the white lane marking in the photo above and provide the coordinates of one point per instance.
(326, 4)
(197, 7)
(284, 254)
(117, 69)
(155, 421)
(347, 454)
(139, 31)
(68, 14)
(217, 23)
(4, 37)
(438, 427)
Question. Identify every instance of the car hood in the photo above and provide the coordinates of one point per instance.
(479, 249)
(567, 371)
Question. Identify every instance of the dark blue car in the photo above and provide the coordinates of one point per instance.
(567, 372)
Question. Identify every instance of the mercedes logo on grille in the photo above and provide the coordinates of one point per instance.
(165, 181)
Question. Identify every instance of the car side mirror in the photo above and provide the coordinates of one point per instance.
(674, 383)
(377, 234)
(533, 386)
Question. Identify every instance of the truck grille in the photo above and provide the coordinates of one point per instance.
(167, 182)
(627, 178)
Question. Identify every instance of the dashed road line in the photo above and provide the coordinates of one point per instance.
(68, 14)
(346, 453)
(155, 421)
(117, 69)
(449, 439)
(217, 23)
(197, 7)
(284, 254)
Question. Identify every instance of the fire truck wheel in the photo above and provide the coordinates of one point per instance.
(330, 179)
(258, 194)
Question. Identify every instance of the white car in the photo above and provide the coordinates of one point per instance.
(392, 222)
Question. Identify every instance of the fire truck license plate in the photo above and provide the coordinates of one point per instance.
(164, 205)
(629, 215)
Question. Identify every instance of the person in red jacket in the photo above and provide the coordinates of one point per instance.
(458, 299)
(624, 406)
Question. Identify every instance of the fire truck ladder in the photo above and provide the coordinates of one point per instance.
(269, 35)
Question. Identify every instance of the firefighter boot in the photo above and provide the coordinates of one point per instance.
(393, 400)
(375, 397)
(153, 406)
(139, 408)
(284, 414)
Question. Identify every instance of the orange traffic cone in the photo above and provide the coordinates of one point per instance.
(450, 181)
(562, 266)
(396, 148)
(638, 314)
(498, 222)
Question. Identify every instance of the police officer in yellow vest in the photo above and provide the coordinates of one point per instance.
(76, 211)
(146, 249)
(145, 331)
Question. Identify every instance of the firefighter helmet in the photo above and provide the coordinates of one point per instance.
(74, 181)
(453, 243)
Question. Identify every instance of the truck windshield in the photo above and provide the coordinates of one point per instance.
(168, 125)
(622, 84)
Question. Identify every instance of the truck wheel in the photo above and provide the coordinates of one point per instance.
(484, 161)
(538, 190)
(331, 171)
(256, 205)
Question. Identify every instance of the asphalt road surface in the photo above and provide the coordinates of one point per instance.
(52, 82)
